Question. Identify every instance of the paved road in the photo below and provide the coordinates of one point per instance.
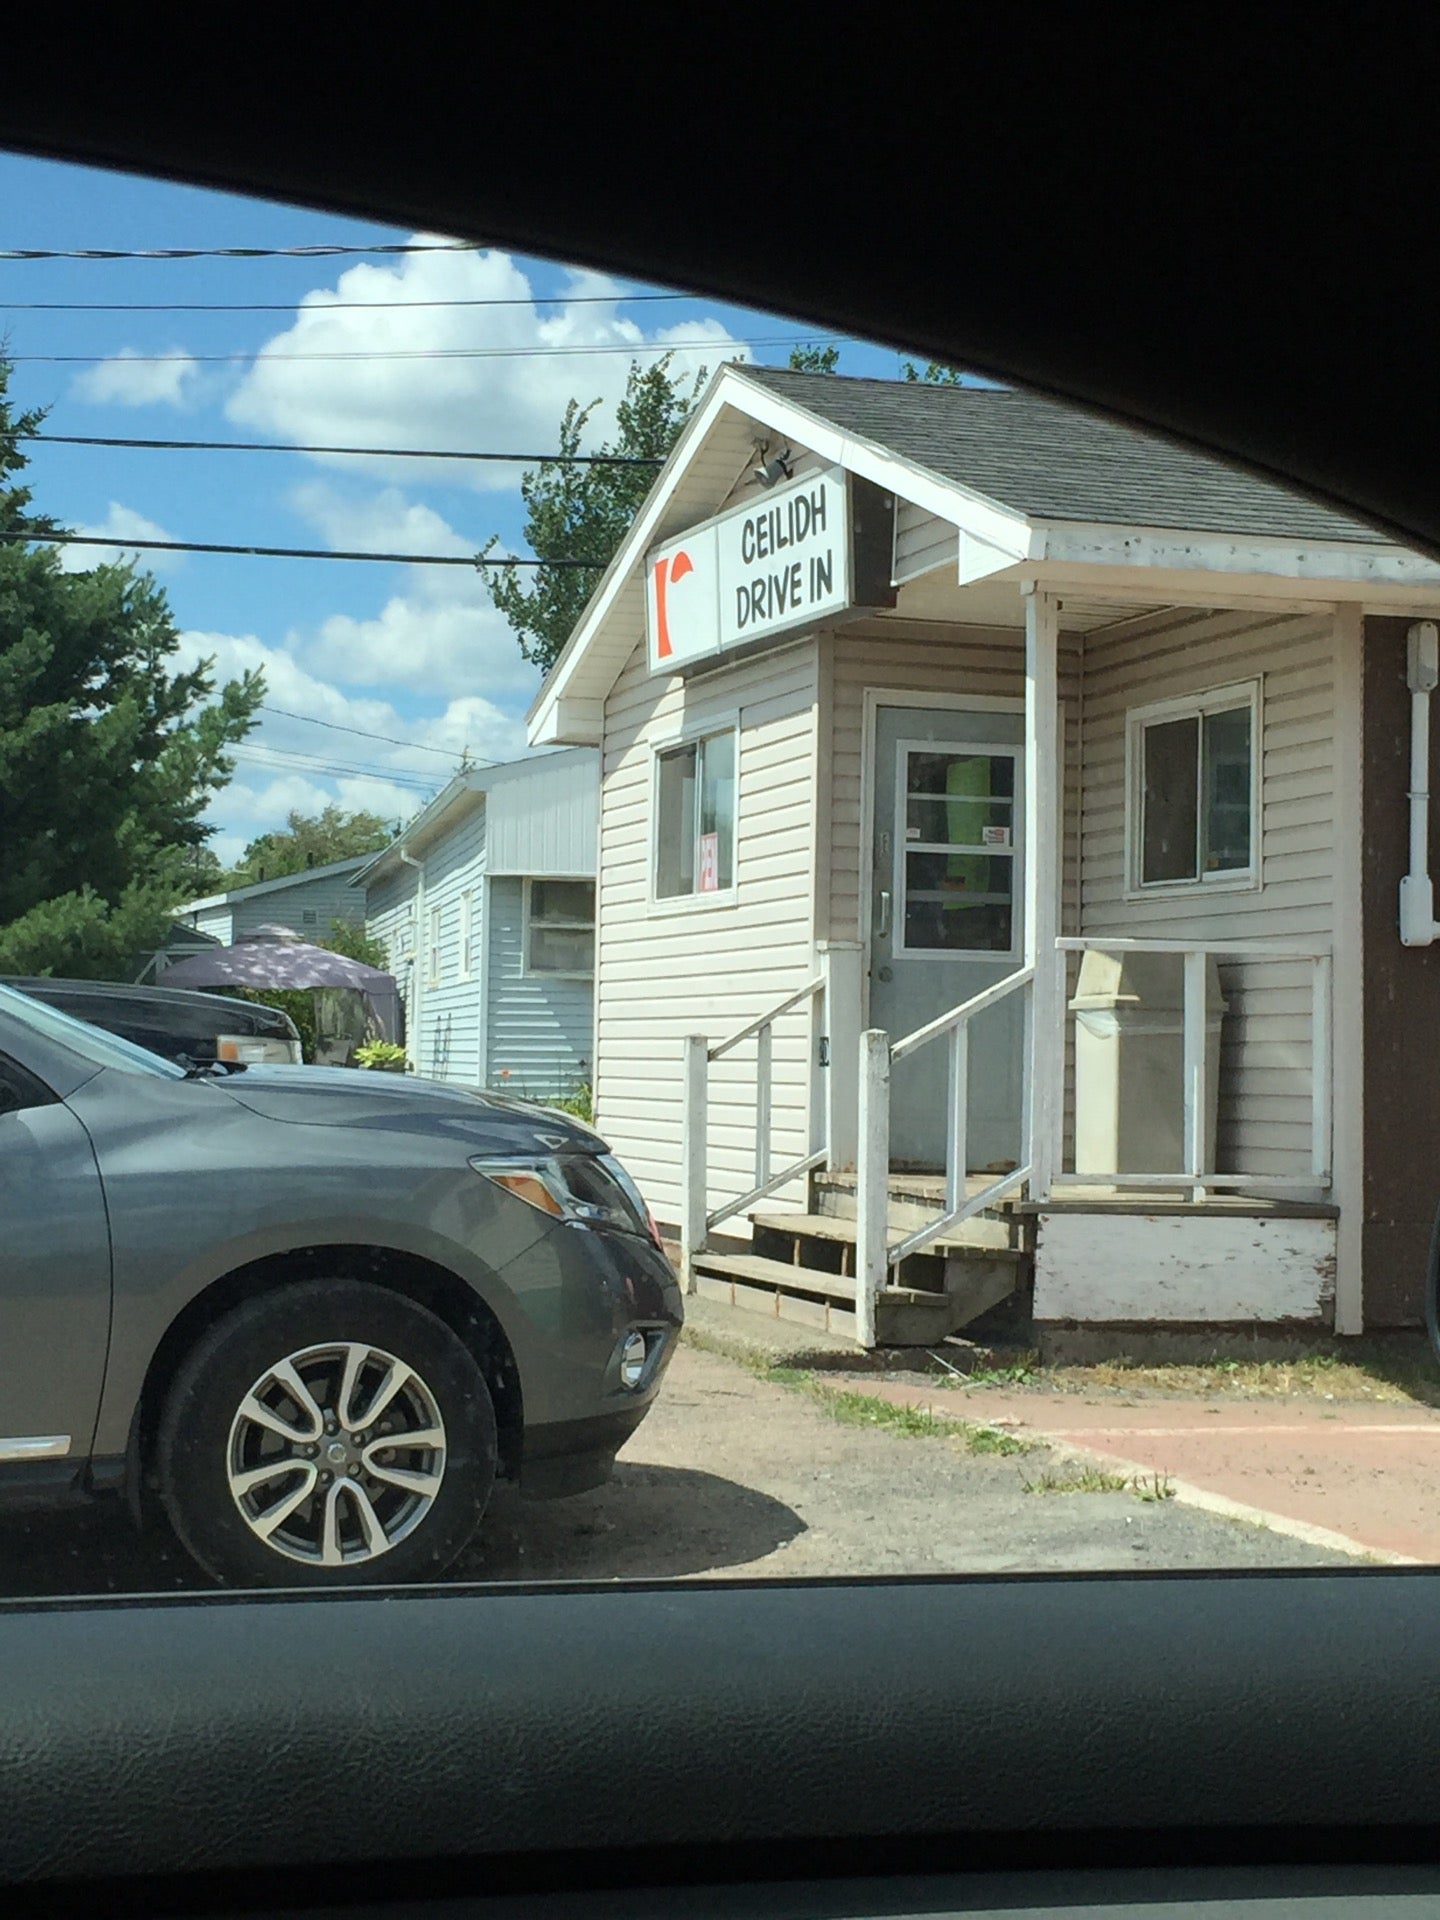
(733, 1475)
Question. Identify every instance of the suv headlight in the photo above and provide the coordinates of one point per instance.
(585, 1190)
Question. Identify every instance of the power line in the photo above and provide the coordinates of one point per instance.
(380, 453)
(331, 306)
(279, 761)
(320, 252)
(126, 545)
(335, 726)
(412, 353)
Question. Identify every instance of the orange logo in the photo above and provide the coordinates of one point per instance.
(667, 573)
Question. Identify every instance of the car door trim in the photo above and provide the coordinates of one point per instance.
(35, 1446)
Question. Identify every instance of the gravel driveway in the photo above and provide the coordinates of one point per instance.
(733, 1474)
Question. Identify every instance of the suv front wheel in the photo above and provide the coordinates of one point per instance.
(327, 1434)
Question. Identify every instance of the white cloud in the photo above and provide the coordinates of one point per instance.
(440, 635)
(366, 755)
(120, 524)
(435, 396)
(128, 379)
(384, 522)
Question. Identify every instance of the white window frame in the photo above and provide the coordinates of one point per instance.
(664, 904)
(553, 973)
(435, 924)
(1196, 706)
(467, 932)
(1015, 852)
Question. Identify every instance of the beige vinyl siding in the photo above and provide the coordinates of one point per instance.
(1265, 1047)
(923, 542)
(665, 971)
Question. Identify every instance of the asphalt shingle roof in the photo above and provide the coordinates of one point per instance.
(1049, 462)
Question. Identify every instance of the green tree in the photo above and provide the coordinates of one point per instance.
(356, 944)
(109, 756)
(934, 374)
(574, 511)
(814, 359)
(311, 840)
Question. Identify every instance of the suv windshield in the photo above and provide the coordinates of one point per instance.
(92, 1043)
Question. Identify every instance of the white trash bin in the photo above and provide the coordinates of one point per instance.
(1130, 1062)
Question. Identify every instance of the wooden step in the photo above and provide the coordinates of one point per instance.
(915, 1199)
(904, 1316)
(981, 1234)
(756, 1271)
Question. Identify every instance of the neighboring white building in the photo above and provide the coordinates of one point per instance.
(486, 907)
(904, 697)
(306, 902)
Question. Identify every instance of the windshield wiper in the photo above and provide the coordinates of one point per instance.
(201, 1069)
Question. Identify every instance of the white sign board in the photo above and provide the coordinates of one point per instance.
(781, 560)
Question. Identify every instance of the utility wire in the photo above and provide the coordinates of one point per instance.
(335, 726)
(126, 545)
(379, 453)
(127, 359)
(279, 761)
(331, 306)
(319, 252)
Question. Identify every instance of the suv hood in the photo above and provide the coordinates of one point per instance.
(346, 1097)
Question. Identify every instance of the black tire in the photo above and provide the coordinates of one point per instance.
(203, 1433)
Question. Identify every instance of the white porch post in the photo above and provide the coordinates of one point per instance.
(1044, 775)
(872, 1181)
(694, 1154)
(837, 1084)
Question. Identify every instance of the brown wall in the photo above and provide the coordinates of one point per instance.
(1402, 1004)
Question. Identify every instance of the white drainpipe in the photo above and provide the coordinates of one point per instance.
(417, 980)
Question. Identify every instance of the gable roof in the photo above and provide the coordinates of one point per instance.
(1026, 481)
(1049, 462)
(332, 870)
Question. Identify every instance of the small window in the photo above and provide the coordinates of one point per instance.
(695, 818)
(1192, 804)
(434, 947)
(468, 955)
(310, 916)
(956, 868)
(560, 927)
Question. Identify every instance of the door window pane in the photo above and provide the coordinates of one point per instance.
(961, 903)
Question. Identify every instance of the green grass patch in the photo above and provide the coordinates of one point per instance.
(854, 1409)
(1085, 1479)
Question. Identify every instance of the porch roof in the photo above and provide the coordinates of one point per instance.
(1037, 490)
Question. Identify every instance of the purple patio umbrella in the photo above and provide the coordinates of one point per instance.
(276, 957)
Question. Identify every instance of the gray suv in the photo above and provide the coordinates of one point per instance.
(312, 1313)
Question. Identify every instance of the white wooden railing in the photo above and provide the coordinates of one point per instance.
(698, 1219)
(874, 1253)
(1196, 1176)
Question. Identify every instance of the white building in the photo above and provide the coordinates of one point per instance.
(907, 700)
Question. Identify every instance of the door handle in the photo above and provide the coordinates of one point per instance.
(882, 924)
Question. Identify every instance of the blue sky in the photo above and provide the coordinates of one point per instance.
(415, 653)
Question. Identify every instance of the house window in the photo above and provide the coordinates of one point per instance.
(1194, 812)
(467, 935)
(560, 927)
(695, 818)
(434, 945)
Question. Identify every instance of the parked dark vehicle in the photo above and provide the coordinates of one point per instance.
(311, 1316)
(177, 1022)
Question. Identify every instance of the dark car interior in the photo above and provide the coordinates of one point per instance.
(1217, 225)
